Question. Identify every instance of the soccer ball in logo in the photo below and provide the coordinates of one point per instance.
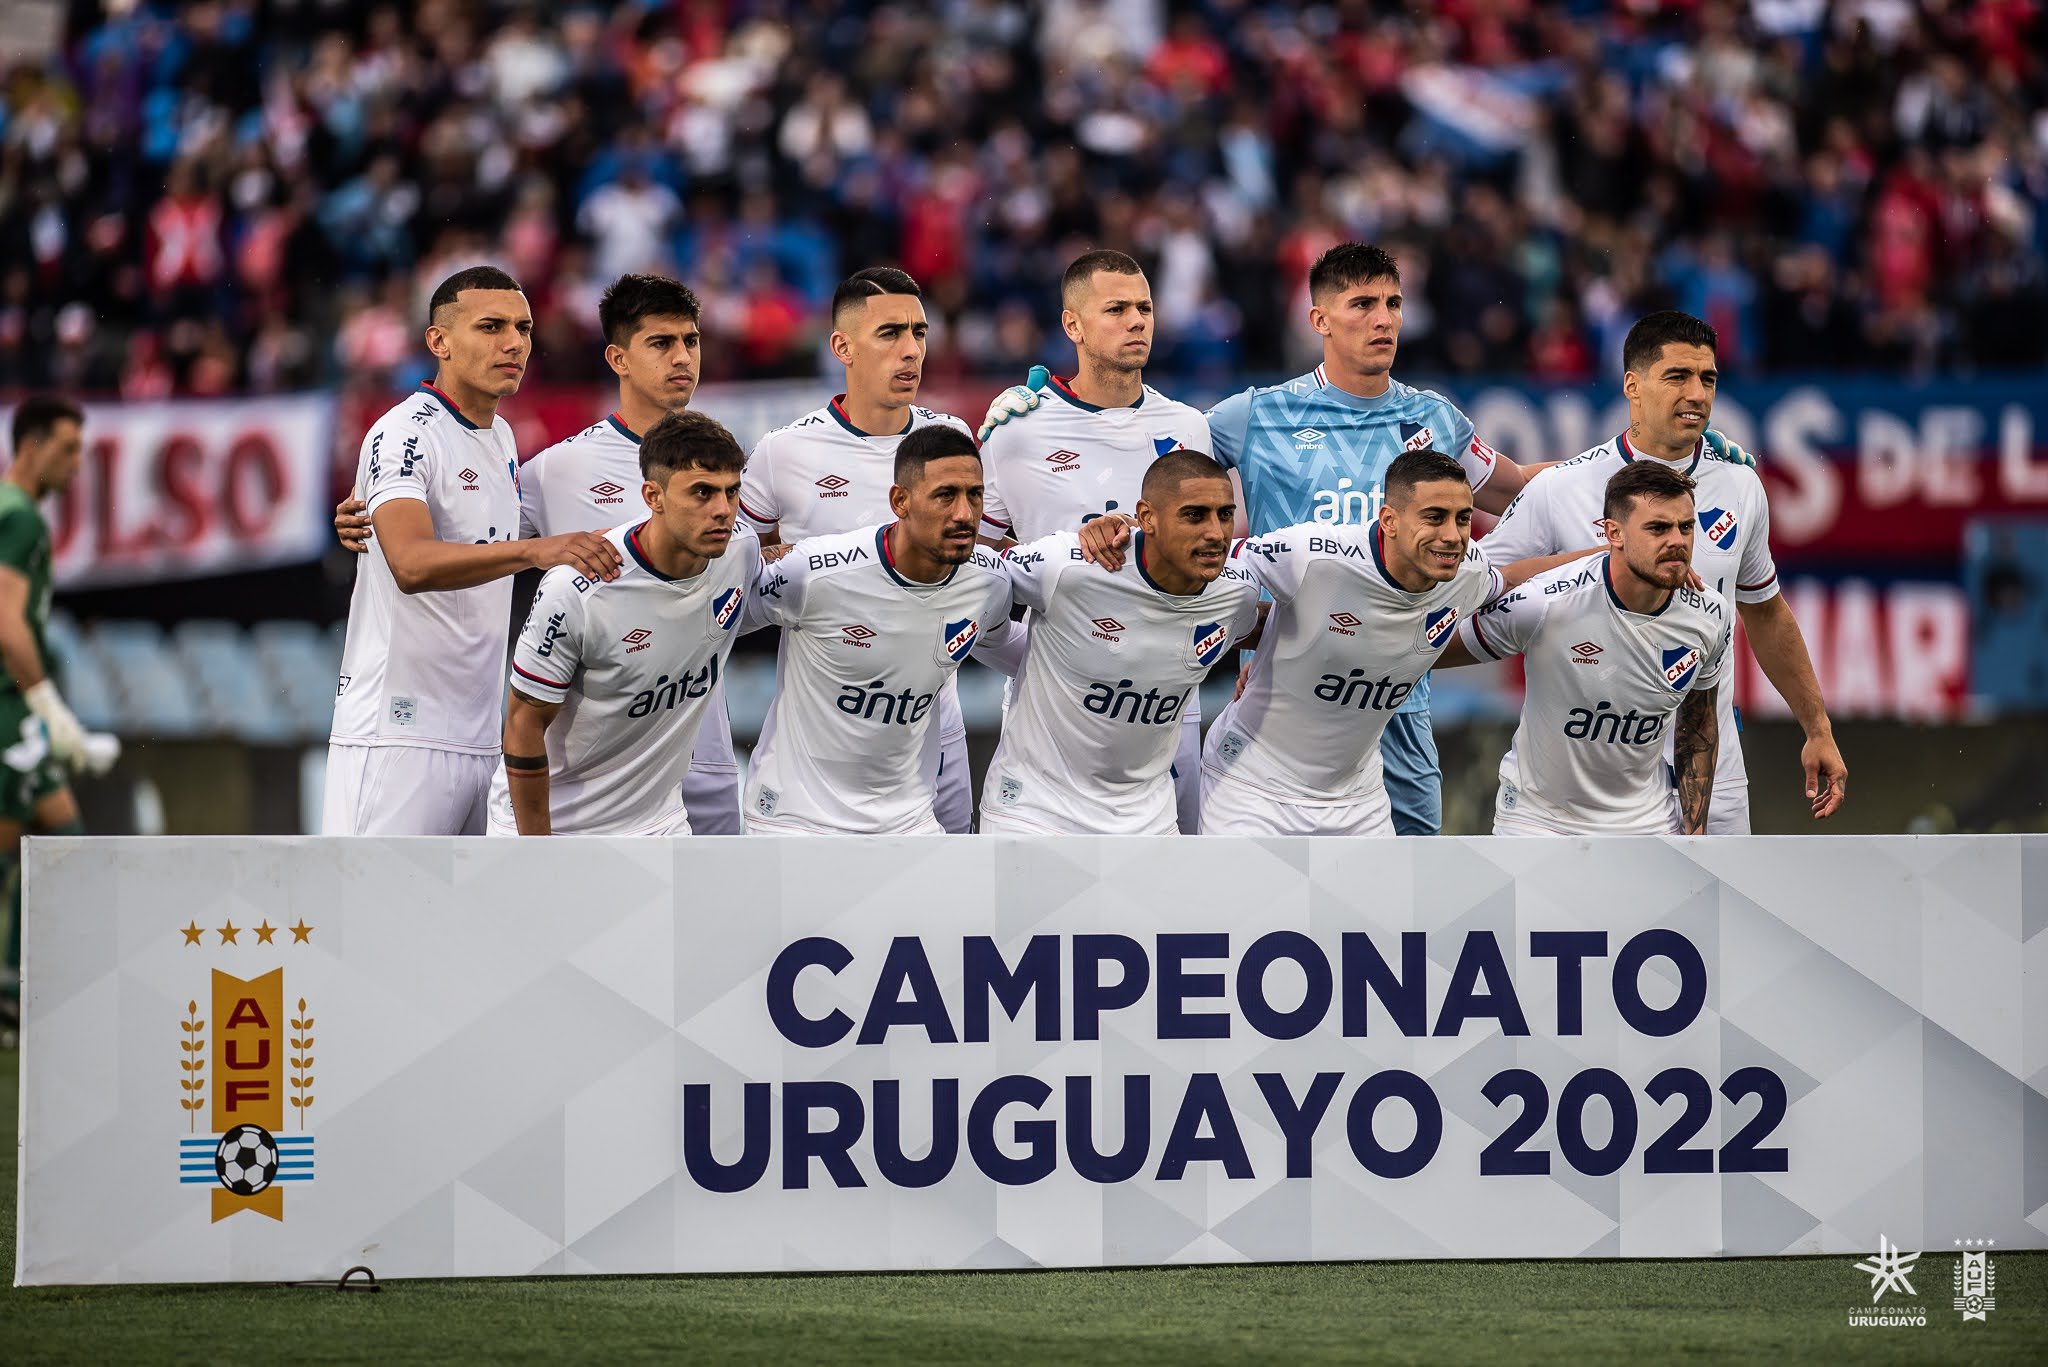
(246, 1161)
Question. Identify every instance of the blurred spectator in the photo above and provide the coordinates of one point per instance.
(191, 194)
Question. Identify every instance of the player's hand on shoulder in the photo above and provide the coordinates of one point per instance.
(1014, 402)
(1103, 539)
(588, 553)
(771, 554)
(352, 523)
(1719, 443)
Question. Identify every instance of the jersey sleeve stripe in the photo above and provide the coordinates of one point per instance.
(1479, 635)
(1763, 584)
(758, 517)
(537, 678)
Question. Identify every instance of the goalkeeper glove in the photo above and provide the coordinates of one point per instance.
(66, 736)
(1722, 446)
(1014, 402)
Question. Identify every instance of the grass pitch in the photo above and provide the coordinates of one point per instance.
(1783, 1310)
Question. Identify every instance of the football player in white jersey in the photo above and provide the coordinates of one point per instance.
(1670, 377)
(1085, 451)
(1115, 659)
(586, 482)
(833, 469)
(874, 622)
(420, 699)
(1359, 614)
(611, 680)
(1616, 650)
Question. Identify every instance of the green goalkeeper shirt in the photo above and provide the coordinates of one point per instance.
(25, 547)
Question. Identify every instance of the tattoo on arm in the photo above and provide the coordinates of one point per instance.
(1693, 748)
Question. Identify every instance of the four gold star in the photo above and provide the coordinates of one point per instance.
(301, 933)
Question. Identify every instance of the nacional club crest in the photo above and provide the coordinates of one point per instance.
(246, 1069)
(960, 637)
(1680, 664)
(1437, 627)
(725, 609)
(1718, 526)
(1210, 639)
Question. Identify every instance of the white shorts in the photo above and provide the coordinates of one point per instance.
(1728, 812)
(1187, 770)
(755, 826)
(711, 788)
(405, 790)
(945, 765)
(1233, 808)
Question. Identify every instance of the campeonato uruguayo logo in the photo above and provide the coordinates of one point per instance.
(245, 1077)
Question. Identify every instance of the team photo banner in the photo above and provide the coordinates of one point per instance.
(267, 1058)
(182, 489)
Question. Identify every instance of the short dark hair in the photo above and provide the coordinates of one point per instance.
(1087, 264)
(1163, 477)
(1642, 479)
(864, 285)
(1348, 264)
(688, 441)
(468, 278)
(1655, 331)
(1411, 468)
(38, 415)
(631, 298)
(939, 441)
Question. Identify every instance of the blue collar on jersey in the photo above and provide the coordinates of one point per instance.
(837, 408)
(1379, 561)
(428, 385)
(1628, 455)
(640, 558)
(1065, 390)
(620, 424)
(1138, 559)
(888, 560)
(1607, 579)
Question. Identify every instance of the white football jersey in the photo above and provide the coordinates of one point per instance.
(1341, 652)
(428, 669)
(864, 656)
(1067, 461)
(583, 483)
(635, 663)
(1603, 683)
(1088, 740)
(1562, 510)
(821, 475)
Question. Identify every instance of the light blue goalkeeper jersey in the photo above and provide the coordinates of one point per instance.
(1308, 451)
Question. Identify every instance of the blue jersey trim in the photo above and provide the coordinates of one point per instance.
(888, 560)
(837, 408)
(1628, 455)
(619, 424)
(1607, 580)
(1064, 390)
(449, 403)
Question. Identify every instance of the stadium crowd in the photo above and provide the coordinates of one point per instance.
(248, 195)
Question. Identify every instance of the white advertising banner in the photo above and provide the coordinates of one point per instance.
(278, 1058)
(186, 488)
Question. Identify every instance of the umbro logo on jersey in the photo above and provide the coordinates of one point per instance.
(1106, 628)
(1063, 462)
(960, 637)
(833, 486)
(725, 608)
(1680, 664)
(1344, 623)
(1438, 625)
(468, 478)
(1307, 439)
(857, 635)
(1210, 639)
(608, 492)
(637, 639)
(1587, 653)
(1718, 527)
(1414, 438)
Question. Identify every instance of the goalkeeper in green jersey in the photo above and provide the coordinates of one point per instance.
(39, 738)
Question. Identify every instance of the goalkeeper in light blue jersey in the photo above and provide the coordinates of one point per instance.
(1316, 449)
